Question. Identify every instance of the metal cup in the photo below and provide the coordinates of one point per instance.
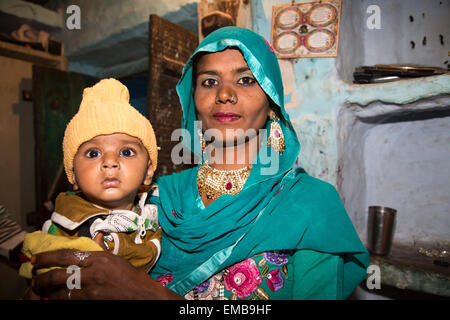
(380, 229)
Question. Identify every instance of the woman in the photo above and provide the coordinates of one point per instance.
(244, 224)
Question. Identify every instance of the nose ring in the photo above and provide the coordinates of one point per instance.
(225, 98)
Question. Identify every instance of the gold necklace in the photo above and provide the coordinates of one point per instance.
(214, 182)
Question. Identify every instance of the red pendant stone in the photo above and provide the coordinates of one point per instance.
(228, 186)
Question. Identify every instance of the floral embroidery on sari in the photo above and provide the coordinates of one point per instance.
(165, 279)
(275, 280)
(208, 290)
(244, 279)
(276, 257)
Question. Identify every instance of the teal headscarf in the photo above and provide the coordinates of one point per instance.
(278, 208)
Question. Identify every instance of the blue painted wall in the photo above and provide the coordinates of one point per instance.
(319, 87)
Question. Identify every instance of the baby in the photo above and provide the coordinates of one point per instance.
(110, 155)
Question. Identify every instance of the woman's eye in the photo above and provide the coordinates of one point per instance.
(127, 152)
(93, 153)
(246, 80)
(209, 83)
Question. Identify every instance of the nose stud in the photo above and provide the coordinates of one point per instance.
(232, 99)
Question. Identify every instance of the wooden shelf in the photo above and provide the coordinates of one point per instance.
(35, 56)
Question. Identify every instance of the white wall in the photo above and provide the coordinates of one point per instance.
(407, 169)
(397, 156)
(392, 43)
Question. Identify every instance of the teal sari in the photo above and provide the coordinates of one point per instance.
(305, 212)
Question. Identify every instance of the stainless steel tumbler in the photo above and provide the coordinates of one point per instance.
(380, 229)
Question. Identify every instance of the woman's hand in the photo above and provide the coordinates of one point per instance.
(102, 276)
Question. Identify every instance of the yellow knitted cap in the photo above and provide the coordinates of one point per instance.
(105, 109)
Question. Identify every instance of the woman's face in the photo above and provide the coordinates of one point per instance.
(228, 97)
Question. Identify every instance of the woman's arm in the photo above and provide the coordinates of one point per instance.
(102, 276)
(317, 276)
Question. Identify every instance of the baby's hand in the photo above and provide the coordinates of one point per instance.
(99, 239)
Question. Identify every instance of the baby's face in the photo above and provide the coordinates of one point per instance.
(110, 168)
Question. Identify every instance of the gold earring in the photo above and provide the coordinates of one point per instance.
(202, 140)
(276, 137)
